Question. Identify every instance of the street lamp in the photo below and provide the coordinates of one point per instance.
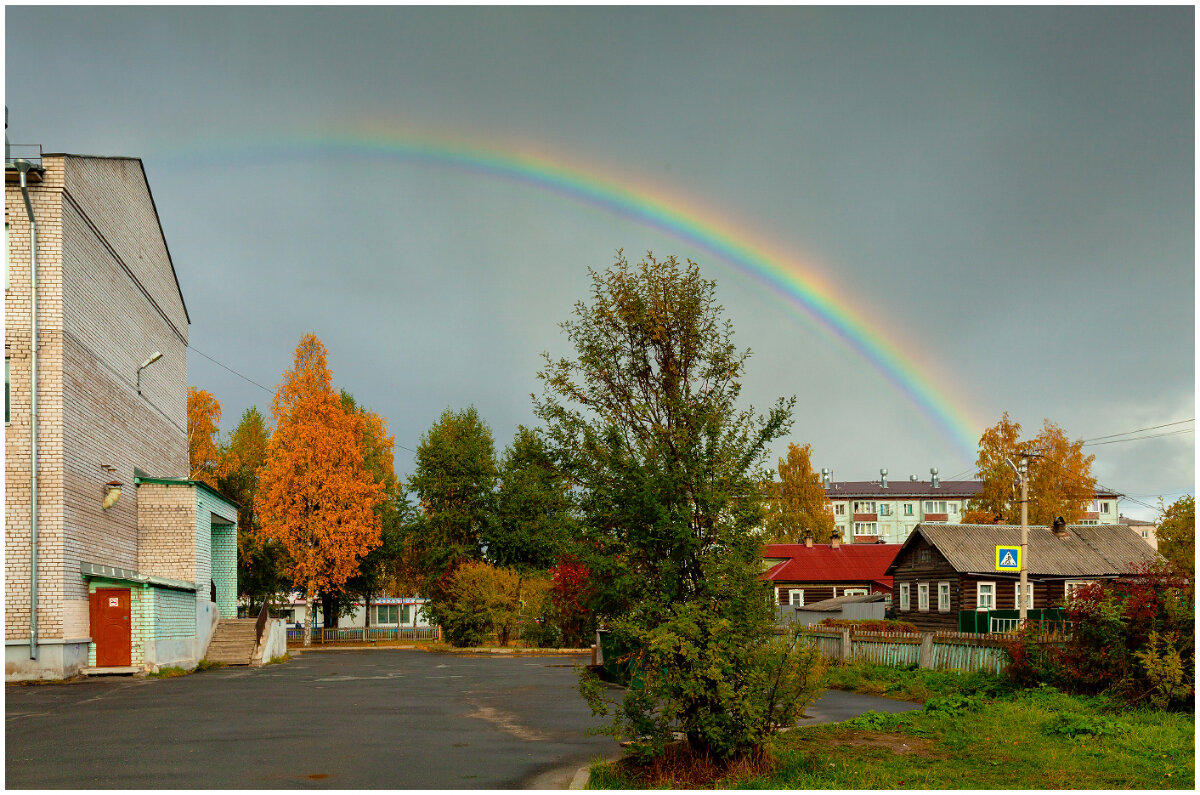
(154, 357)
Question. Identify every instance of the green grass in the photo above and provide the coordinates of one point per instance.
(168, 672)
(282, 658)
(207, 665)
(975, 733)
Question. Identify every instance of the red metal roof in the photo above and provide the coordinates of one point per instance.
(822, 563)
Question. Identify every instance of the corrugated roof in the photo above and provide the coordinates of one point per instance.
(822, 563)
(1088, 550)
(834, 605)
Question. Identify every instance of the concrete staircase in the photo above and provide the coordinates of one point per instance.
(233, 642)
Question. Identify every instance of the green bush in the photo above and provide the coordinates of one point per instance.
(1076, 725)
(870, 624)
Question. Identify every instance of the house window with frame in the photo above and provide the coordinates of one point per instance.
(854, 592)
(387, 614)
(985, 596)
(839, 509)
(796, 597)
(864, 507)
(923, 597)
(866, 528)
(935, 506)
(885, 509)
(908, 509)
(923, 555)
(904, 594)
(1105, 507)
(1028, 595)
(1071, 586)
(944, 597)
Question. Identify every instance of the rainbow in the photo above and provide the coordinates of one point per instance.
(801, 287)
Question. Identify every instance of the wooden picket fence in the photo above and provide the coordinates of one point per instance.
(961, 651)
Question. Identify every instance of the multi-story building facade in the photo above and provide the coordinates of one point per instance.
(886, 511)
(95, 347)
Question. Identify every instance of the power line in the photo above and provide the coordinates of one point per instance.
(260, 386)
(1139, 438)
(1139, 430)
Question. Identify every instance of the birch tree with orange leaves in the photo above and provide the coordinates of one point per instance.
(797, 504)
(204, 455)
(316, 497)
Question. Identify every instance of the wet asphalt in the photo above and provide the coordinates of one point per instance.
(328, 719)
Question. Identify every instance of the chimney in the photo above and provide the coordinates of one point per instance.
(1059, 528)
(933, 478)
(883, 478)
(808, 541)
(825, 474)
(836, 541)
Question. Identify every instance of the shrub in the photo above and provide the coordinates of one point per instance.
(1072, 725)
(480, 600)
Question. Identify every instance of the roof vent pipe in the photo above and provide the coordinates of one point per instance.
(883, 478)
(825, 475)
(913, 478)
(933, 478)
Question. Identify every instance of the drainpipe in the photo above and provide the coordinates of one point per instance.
(23, 167)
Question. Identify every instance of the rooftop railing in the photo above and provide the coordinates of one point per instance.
(29, 152)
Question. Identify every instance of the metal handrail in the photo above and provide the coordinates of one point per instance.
(29, 152)
(263, 615)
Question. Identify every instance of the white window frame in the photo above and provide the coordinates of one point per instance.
(943, 597)
(931, 506)
(979, 605)
(839, 509)
(905, 597)
(854, 592)
(1105, 507)
(866, 528)
(864, 506)
(923, 597)
(388, 609)
(796, 597)
(1028, 595)
(1072, 585)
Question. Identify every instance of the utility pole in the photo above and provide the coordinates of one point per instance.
(1021, 599)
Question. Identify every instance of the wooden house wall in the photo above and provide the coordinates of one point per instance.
(818, 591)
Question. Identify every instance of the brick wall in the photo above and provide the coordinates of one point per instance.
(107, 300)
(175, 614)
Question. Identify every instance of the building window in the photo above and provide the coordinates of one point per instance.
(953, 507)
(864, 507)
(866, 528)
(908, 509)
(839, 509)
(935, 506)
(885, 509)
(904, 596)
(387, 614)
(923, 597)
(1028, 595)
(923, 555)
(985, 596)
(796, 597)
(1144, 533)
(1104, 507)
(944, 597)
(854, 592)
(1071, 586)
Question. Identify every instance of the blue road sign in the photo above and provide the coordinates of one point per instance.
(1008, 558)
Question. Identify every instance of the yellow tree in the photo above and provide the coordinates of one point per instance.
(1060, 476)
(203, 415)
(798, 504)
(316, 497)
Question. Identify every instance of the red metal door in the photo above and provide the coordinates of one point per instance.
(109, 612)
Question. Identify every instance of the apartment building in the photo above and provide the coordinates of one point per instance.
(113, 560)
(886, 511)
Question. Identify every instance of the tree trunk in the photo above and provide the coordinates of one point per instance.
(308, 618)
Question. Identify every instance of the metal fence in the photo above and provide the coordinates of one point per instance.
(362, 634)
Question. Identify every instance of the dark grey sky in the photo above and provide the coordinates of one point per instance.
(1009, 192)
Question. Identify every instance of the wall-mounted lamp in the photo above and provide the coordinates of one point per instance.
(154, 357)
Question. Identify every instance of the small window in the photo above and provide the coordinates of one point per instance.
(1071, 586)
(923, 597)
(1104, 507)
(839, 508)
(923, 555)
(904, 596)
(864, 507)
(386, 614)
(854, 592)
(885, 509)
(908, 508)
(985, 596)
(866, 528)
(796, 597)
(1028, 595)
(944, 597)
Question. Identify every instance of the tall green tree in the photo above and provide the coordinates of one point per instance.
(669, 472)
(533, 519)
(798, 505)
(1177, 534)
(454, 482)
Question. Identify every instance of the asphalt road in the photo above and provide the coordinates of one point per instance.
(328, 719)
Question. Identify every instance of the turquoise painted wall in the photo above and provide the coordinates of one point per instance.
(216, 550)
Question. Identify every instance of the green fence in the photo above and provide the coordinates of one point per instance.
(986, 622)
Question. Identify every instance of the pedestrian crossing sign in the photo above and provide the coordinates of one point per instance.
(1008, 558)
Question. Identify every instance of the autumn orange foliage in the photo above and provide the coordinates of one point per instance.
(203, 414)
(316, 497)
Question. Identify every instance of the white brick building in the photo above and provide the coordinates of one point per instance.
(107, 301)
